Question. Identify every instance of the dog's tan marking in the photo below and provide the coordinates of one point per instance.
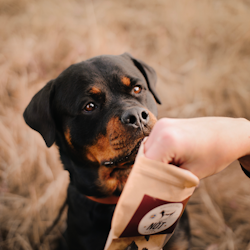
(116, 142)
(95, 90)
(107, 147)
(126, 81)
(68, 137)
(109, 182)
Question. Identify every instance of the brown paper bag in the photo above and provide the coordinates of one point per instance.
(150, 205)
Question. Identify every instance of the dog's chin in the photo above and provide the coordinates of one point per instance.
(113, 173)
(111, 181)
(119, 178)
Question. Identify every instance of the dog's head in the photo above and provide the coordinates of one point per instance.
(98, 112)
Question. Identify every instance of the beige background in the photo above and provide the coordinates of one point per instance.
(200, 50)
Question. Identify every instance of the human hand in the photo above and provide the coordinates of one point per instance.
(204, 146)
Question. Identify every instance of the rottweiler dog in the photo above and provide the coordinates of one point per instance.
(97, 112)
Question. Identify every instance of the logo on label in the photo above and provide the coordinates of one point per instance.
(160, 218)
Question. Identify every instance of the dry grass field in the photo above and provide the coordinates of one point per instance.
(200, 50)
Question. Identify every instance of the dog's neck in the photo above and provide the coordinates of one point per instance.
(111, 200)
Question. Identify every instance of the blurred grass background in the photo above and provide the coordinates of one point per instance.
(200, 50)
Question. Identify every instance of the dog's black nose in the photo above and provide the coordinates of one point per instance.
(135, 117)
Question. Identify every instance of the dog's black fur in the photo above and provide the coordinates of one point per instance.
(97, 112)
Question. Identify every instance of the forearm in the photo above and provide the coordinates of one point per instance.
(239, 145)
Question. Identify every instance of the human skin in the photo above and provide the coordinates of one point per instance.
(204, 145)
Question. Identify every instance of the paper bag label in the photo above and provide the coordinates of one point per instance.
(160, 218)
(154, 216)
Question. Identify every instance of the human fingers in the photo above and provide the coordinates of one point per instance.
(166, 142)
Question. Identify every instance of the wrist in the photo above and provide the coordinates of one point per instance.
(241, 141)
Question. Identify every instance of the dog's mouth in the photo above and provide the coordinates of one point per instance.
(122, 161)
(113, 173)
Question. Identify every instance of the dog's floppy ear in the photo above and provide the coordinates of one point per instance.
(148, 73)
(38, 114)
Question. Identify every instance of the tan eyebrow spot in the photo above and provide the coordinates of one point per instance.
(126, 81)
(68, 137)
(95, 90)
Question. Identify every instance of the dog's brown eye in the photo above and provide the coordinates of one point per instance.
(90, 107)
(137, 89)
